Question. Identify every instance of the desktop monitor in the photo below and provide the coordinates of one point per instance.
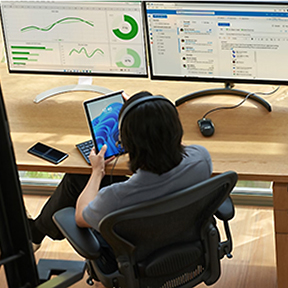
(74, 37)
(230, 42)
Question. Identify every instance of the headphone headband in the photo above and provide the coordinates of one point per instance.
(137, 102)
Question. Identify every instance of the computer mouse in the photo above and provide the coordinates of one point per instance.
(206, 127)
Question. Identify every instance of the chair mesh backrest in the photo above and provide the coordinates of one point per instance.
(175, 218)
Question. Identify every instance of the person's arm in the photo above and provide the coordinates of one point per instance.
(91, 189)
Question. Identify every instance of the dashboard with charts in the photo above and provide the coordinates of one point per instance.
(210, 41)
(74, 37)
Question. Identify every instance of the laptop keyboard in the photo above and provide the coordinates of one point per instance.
(85, 149)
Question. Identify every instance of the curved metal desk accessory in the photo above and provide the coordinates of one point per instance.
(70, 88)
(218, 91)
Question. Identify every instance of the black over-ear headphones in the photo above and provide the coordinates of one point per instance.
(137, 102)
(134, 104)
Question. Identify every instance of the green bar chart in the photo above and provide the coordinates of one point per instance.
(22, 54)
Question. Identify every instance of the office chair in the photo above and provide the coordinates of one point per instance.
(169, 242)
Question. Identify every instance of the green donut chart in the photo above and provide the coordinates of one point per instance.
(133, 32)
(134, 55)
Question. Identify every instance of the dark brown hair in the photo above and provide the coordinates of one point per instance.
(152, 133)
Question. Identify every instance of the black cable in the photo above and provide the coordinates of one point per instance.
(241, 102)
(112, 169)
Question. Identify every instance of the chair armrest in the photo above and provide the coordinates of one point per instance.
(226, 210)
(82, 239)
(225, 213)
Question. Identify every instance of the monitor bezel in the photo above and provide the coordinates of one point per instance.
(70, 73)
(226, 80)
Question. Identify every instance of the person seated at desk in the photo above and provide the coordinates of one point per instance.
(151, 133)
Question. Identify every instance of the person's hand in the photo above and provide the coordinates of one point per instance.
(97, 160)
(125, 96)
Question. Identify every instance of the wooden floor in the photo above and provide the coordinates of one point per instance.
(253, 264)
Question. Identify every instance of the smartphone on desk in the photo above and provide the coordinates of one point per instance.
(48, 153)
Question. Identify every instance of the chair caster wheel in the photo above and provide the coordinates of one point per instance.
(89, 281)
(229, 256)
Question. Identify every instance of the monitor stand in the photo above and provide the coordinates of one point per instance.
(81, 86)
(227, 90)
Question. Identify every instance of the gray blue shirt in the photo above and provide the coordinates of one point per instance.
(195, 167)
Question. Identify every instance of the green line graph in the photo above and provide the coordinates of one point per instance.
(66, 20)
(85, 52)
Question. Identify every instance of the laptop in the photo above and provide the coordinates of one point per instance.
(102, 117)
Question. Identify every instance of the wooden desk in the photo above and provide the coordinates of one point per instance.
(249, 140)
(59, 121)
